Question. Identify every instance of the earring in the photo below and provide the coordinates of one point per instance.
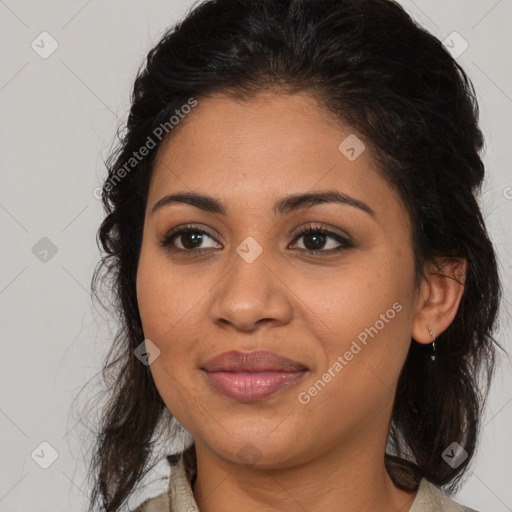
(433, 355)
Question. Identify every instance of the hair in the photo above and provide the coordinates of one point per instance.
(374, 69)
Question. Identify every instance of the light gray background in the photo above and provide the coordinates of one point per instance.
(58, 120)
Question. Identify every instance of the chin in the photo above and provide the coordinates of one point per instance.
(250, 450)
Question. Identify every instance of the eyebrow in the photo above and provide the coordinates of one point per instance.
(282, 207)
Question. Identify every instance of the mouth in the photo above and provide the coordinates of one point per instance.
(259, 361)
(252, 386)
(249, 377)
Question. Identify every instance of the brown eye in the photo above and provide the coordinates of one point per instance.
(190, 239)
(316, 239)
(187, 240)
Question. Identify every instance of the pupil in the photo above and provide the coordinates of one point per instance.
(195, 237)
(315, 236)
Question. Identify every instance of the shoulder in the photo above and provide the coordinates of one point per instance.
(179, 496)
(431, 498)
(159, 503)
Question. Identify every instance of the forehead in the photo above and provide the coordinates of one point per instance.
(253, 152)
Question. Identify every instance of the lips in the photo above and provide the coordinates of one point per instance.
(260, 361)
(248, 377)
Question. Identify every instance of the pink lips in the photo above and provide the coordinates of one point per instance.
(252, 376)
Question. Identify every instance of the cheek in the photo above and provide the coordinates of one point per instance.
(363, 360)
(167, 298)
(368, 309)
(160, 309)
(168, 302)
(358, 296)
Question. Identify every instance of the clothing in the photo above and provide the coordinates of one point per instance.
(180, 498)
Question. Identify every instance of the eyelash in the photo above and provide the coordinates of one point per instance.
(345, 243)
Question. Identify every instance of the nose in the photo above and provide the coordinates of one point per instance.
(251, 294)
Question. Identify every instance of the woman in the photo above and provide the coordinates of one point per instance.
(304, 278)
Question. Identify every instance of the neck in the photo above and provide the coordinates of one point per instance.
(350, 478)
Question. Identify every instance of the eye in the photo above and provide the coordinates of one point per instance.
(189, 238)
(316, 238)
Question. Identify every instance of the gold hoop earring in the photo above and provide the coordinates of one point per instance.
(433, 355)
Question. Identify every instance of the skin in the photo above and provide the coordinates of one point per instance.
(309, 308)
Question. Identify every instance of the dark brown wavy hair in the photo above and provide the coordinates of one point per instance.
(374, 69)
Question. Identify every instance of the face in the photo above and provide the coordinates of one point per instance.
(338, 299)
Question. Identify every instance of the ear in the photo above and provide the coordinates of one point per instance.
(439, 298)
